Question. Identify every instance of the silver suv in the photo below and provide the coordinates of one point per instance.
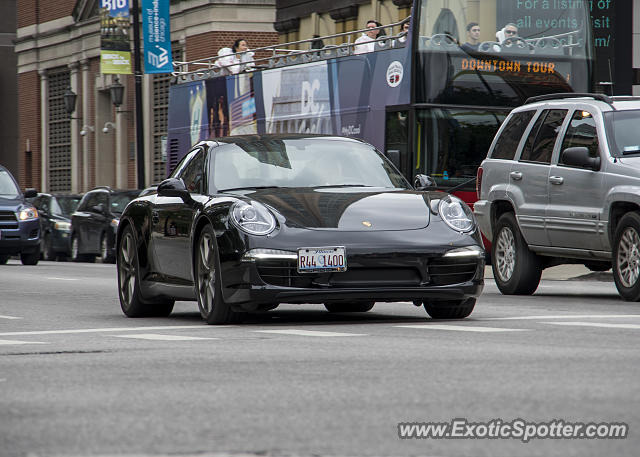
(561, 184)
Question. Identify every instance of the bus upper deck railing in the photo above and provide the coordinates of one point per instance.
(281, 55)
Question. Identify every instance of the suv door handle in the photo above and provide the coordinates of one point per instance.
(516, 175)
(556, 180)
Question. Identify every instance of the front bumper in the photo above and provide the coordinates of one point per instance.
(24, 238)
(482, 211)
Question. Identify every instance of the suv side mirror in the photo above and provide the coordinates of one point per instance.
(99, 208)
(424, 182)
(174, 187)
(30, 193)
(579, 157)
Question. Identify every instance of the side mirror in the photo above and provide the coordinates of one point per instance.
(174, 187)
(579, 157)
(424, 182)
(30, 193)
(99, 208)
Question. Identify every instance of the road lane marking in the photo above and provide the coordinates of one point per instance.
(114, 329)
(62, 279)
(9, 317)
(308, 333)
(558, 316)
(463, 328)
(595, 324)
(158, 337)
(8, 342)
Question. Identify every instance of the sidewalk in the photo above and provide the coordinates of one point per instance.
(567, 272)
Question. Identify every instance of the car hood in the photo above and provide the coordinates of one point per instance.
(348, 209)
(10, 204)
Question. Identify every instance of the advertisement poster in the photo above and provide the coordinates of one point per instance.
(115, 49)
(242, 105)
(157, 37)
(218, 108)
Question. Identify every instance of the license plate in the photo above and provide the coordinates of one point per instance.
(319, 260)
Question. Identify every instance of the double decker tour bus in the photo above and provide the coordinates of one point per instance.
(429, 102)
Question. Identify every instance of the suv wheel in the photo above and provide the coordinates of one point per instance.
(105, 256)
(516, 269)
(449, 309)
(626, 257)
(30, 258)
(4, 259)
(47, 249)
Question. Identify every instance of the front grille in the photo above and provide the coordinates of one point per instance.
(8, 220)
(283, 273)
(445, 272)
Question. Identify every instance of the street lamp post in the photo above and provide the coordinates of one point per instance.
(138, 88)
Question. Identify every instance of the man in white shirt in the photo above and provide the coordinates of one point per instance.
(365, 43)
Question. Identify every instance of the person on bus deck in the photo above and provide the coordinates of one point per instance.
(237, 58)
(473, 38)
(366, 42)
(405, 30)
(508, 31)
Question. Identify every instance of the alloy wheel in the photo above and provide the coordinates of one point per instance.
(505, 254)
(127, 268)
(206, 273)
(628, 258)
(74, 248)
(104, 251)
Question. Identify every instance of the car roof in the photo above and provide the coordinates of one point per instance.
(600, 101)
(284, 136)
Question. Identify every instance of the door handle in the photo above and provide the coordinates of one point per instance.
(155, 217)
(557, 180)
(516, 175)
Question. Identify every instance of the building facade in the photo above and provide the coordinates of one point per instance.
(57, 46)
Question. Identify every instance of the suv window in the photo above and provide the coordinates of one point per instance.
(507, 143)
(7, 186)
(582, 131)
(542, 138)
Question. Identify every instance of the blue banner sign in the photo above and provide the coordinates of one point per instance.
(157, 36)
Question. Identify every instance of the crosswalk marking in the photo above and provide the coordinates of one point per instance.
(158, 337)
(558, 316)
(308, 333)
(9, 317)
(8, 342)
(462, 328)
(113, 329)
(595, 324)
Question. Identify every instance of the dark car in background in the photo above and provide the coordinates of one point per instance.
(95, 222)
(19, 224)
(55, 223)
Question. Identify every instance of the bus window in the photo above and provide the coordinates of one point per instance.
(451, 143)
(397, 140)
(506, 26)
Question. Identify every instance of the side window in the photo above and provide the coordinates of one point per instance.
(193, 173)
(539, 146)
(102, 197)
(507, 144)
(91, 201)
(582, 131)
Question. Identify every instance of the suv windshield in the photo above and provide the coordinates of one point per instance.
(622, 132)
(8, 188)
(120, 201)
(64, 206)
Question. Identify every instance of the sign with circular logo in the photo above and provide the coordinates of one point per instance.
(394, 73)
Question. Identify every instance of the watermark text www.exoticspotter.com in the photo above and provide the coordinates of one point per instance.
(518, 429)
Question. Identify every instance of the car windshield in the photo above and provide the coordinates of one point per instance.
(120, 201)
(622, 132)
(8, 188)
(304, 162)
(64, 205)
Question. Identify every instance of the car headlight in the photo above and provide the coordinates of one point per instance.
(62, 226)
(252, 218)
(456, 214)
(28, 213)
(114, 223)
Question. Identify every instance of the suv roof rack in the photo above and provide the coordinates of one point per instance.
(603, 98)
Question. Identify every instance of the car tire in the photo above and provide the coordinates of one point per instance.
(516, 270)
(30, 258)
(213, 308)
(75, 251)
(350, 307)
(4, 259)
(596, 267)
(450, 309)
(127, 267)
(47, 249)
(626, 257)
(104, 250)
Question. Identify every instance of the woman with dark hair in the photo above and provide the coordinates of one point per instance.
(366, 43)
(236, 59)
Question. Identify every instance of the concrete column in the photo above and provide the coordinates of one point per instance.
(86, 96)
(75, 130)
(44, 130)
(147, 116)
(122, 149)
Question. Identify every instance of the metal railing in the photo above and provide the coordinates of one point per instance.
(281, 55)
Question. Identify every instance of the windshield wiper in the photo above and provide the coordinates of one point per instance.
(251, 188)
(341, 185)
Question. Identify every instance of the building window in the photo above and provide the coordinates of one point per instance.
(59, 132)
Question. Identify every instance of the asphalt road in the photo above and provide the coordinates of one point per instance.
(77, 378)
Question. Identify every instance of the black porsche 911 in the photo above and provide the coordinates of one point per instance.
(246, 223)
